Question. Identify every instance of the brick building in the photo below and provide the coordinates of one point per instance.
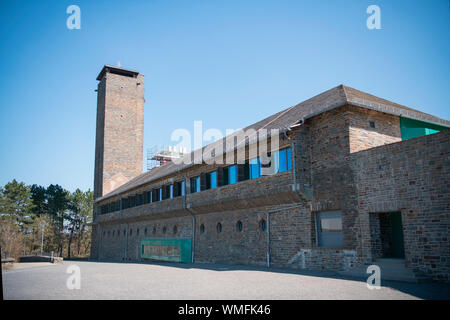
(356, 179)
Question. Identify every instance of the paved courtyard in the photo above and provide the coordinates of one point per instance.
(108, 280)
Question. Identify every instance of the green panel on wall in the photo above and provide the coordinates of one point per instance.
(413, 128)
(173, 249)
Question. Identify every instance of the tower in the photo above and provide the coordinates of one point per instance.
(120, 126)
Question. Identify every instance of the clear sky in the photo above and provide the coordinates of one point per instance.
(228, 63)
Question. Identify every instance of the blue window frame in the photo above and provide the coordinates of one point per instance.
(255, 168)
(232, 174)
(284, 160)
(213, 177)
(195, 184)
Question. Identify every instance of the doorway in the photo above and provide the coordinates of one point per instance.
(391, 234)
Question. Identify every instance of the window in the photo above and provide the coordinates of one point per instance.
(372, 124)
(164, 230)
(183, 188)
(225, 176)
(178, 189)
(239, 226)
(219, 227)
(262, 225)
(202, 228)
(156, 195)
(140, 200)
(284, 160)
(154, 230)
(243, 171)
(145, 231)
(132, 201)
(213, 180)
(232, 174)
(131, 232)
(255, 168)
(195, 184)
(171, 191)
(329, 229)
(137, 231)
(175, 229)
(165, 192)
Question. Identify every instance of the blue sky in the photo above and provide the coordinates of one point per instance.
(227, 63)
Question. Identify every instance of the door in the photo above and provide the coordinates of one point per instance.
(398, 249)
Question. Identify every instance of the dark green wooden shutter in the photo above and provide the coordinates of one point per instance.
(220, 181)
(203, 178)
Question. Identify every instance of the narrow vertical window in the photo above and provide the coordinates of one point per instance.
(255, 168)
(282, 166)
(213, 180)
(197, 184)
(183, 188)
(232, 174)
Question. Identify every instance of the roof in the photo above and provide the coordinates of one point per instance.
(116, 70)
(328, 100)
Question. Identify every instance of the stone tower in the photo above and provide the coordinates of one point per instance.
(120, 126)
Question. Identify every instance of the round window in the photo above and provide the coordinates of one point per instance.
(239, 226)
(262, 225)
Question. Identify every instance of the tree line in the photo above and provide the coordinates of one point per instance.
(35, 218)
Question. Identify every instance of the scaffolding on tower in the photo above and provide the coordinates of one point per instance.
(159, 156)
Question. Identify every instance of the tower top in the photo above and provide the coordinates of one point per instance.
(117, 70)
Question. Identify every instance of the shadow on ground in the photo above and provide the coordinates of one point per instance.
(427, 290)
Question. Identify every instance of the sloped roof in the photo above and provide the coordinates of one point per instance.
(325, 101)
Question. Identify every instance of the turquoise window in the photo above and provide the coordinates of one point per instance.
(197, 184)
(288, 158)
(213, 176)
(232, 174)
(255, 168)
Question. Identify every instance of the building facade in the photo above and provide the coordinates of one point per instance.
(354, 179)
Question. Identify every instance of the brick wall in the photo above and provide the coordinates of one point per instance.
(412, 177)
(119, 140)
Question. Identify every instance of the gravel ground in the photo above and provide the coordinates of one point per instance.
(109, 280)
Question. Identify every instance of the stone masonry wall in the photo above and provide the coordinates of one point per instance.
(412, 177)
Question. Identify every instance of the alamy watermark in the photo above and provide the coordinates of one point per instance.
(74, 20)
(374, 280)
(374, 20)
(232, 148)
(74, 280)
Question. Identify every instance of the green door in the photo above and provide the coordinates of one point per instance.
(398, 249)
